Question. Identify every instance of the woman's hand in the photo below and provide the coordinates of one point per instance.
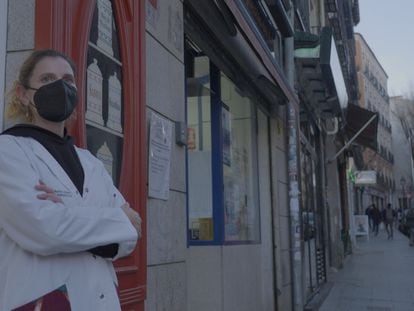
(133, 217)
(48, 193)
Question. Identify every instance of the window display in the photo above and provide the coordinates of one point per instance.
(200, 201)
(104, 100)
(241, 210)
(221, 156)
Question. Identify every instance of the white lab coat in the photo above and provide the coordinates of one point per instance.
(43, 244)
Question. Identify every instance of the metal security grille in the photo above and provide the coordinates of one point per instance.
(320, 266)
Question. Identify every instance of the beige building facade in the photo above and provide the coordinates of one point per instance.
(373, 96)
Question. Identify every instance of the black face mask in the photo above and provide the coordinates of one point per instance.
(55, 101)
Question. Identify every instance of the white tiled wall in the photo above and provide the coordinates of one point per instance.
(165, 95)
(19, 23)
(20, 29)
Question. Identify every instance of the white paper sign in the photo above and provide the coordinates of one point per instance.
(104, 154)
(105, 26)
(114, 105)
(94, 93)
(361, 225)
(159, 157)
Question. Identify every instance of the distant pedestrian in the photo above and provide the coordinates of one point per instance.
(399, 217)
(388, 216)
(368, 212)
(376, 218)
(409, 223)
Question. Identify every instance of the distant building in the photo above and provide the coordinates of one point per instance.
(402, 135)
(373, 95)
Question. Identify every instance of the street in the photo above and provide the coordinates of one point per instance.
(377, 276)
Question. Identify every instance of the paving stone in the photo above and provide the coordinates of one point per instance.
(376, 277)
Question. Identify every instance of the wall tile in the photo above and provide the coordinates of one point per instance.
(204, 273)
(21, 21)
(242, 282)
(284, 233)
(286, 270)
(280, 165)
(282, 199)
(165, 23)
(167, 240)
(166, 288)
(165, 82)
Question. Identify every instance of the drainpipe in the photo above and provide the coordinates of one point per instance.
(322, 13)
(293, 167)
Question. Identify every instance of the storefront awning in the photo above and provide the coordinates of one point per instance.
(361, 127)
(356, 119)
(237, 51)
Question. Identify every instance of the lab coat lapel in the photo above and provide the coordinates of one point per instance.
(87, 164)
(54, 167)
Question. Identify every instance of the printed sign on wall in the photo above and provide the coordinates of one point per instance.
(159, 157)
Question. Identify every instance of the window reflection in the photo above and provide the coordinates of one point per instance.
(200, 192)
(240, 204)
(222, 178)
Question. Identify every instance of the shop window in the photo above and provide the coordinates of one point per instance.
(199, 160)
(104, 108)
(240, 204)
(221, 157)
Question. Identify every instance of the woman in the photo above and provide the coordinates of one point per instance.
(62, 221)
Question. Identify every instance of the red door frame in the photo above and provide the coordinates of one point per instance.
(64, 25)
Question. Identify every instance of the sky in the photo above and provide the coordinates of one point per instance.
(388, 28)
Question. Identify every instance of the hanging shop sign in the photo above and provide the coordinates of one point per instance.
(365, 178)
(320, 75)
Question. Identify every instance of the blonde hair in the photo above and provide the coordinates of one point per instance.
(16, 109)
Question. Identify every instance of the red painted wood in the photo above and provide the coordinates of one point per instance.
(64, 25)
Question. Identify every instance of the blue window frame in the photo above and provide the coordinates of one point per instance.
(222, 200)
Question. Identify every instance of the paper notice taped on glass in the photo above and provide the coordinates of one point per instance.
(159, 159)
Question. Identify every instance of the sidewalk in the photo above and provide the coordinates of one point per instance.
(378, 276)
